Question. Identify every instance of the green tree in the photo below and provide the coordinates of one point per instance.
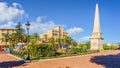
(19, 32)
(36, 36)
(13, 39)
(67, 40)
(58, 42)
(24, 38)
(34, 39)
(74, 50)
(83, 47)
(88, 45)
(74, 43)
(5, 35)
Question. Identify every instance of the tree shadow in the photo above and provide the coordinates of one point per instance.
(108, 61)
(10, 64)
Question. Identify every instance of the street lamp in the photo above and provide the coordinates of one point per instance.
(28, 52)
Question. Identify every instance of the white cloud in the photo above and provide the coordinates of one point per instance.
(9, 13)
(9, 24)
(16, 5)
(84, 39)
(39, 19)
(36, 26)
(75, 31)
(40, 27)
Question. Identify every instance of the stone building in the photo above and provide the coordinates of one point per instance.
(4, 31)
(57, 32)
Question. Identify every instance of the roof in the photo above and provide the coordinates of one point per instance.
(7, 29)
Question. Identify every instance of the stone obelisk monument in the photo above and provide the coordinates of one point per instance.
(96, 39)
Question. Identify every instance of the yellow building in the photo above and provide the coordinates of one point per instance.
(57, 32)
(2, 39)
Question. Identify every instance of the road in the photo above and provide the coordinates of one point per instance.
(109, 59)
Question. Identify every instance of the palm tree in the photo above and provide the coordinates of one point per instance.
(24, 38)
(74, 43)
(51, 41)
(60, 42)
(69, 41)
(46, 39)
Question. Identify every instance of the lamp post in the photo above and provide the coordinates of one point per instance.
(28, 51)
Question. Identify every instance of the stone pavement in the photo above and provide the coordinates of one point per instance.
(109, 59)
(7, 61)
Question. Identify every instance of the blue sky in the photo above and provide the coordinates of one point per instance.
(77, 16)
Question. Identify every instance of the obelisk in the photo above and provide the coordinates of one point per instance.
(96, 39)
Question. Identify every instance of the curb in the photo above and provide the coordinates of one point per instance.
(66, 57)
(72, 56)
(26, 61)
(14, 56)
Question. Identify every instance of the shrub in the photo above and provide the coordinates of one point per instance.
(114, 47)
(20, 54)
(42, 50)
(92, 51)
(83, 48)
(88, 45)
(74, 50)
(106, 47)
(62, 51)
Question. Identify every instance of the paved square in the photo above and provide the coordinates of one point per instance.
(107, 59)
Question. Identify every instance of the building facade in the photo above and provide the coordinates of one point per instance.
(4, 31)
(55, 33)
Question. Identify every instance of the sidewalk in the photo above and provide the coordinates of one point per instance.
(7, 61)
(98, 60)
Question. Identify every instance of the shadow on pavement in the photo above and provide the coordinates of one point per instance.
(3, 52)
(10, 64)
(108, 61)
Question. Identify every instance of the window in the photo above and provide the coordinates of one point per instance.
(2, 30)
(2, 34)
(2, 39)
